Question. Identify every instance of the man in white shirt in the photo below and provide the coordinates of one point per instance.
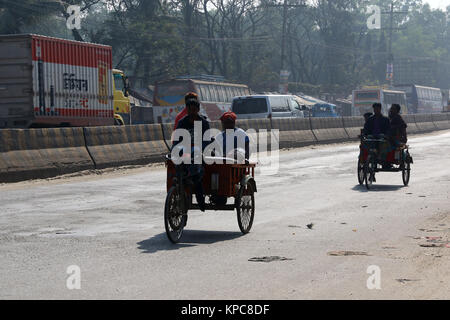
(234, 142)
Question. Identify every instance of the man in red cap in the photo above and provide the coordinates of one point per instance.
(239, 149)
(241, 145)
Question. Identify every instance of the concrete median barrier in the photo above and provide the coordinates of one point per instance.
(424, 122)
(294, 132)
(255, 129)
(441, 121)
(411, 122)
(125, 145)
(329, 129)
(41, 153)
(167, 130)
(353, 126)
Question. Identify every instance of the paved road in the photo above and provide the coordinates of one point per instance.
(111, 226)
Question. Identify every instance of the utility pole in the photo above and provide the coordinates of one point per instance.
(284, 74)
(390, 65)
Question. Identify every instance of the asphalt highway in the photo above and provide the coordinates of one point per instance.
(110, 226)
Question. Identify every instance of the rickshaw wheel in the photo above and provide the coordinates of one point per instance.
(406, 172)
(245, 207)
(360, 172)
(369, 173)
(174, 219)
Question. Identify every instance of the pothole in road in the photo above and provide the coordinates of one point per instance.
(269, 259)
(348, 253)
(406, 280)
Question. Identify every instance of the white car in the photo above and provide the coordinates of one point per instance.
(266, 106)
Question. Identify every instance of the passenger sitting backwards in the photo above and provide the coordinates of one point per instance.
(378, 125)
(233, 142)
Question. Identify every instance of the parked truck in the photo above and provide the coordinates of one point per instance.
(50, 82)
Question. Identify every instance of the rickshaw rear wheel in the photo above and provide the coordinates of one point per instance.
(369, 172)
(406, 173)
(174, 219)
(245, 207)
(360, 172)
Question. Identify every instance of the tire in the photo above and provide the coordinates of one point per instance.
(369, 173)
(406, 173)
(174, 219)
(245, 207)
(360, 172)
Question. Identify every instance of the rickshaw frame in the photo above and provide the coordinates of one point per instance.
(220, 180)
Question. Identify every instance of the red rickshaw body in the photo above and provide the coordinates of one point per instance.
(228, 175)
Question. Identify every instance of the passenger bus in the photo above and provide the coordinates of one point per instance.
(215, 97)
(363, 99)
(422, 99)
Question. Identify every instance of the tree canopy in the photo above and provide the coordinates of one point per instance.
(328, 46)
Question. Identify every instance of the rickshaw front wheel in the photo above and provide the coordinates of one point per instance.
(245, 207)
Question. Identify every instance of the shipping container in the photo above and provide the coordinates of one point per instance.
(54, 82)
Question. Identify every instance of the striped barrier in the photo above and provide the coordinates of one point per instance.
(294, 132)
(125, 145)
(42, 153)
(167, 130)
(353, 126)
(424, 122)
(441, 121)
(328, 129)
(411, 124)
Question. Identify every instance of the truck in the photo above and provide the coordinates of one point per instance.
(52, 82)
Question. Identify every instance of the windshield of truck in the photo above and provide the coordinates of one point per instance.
(118, 81)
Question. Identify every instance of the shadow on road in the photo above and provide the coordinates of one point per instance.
(190, 238)
(377, 187)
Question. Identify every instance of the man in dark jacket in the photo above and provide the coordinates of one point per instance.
(377, 124)
(195, 169)
(398, 126)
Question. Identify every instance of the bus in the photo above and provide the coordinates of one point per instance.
(422, 99)
(363, 99)
(445, 100)
(215, 97)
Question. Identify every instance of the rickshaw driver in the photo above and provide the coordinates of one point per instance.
(195, 170)
(378, 125)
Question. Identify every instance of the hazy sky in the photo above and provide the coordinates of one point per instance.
(438, 3)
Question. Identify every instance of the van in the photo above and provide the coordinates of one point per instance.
(266, 106)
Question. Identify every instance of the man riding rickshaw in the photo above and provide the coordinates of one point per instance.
(218, 176)
(383, 144)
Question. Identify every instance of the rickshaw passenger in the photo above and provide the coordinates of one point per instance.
(366, 116)
(241, 138)
(228, 120)
(398, 126)
(195, 171)
(378, 125)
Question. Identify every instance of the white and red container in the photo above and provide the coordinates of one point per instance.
(54, 82)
